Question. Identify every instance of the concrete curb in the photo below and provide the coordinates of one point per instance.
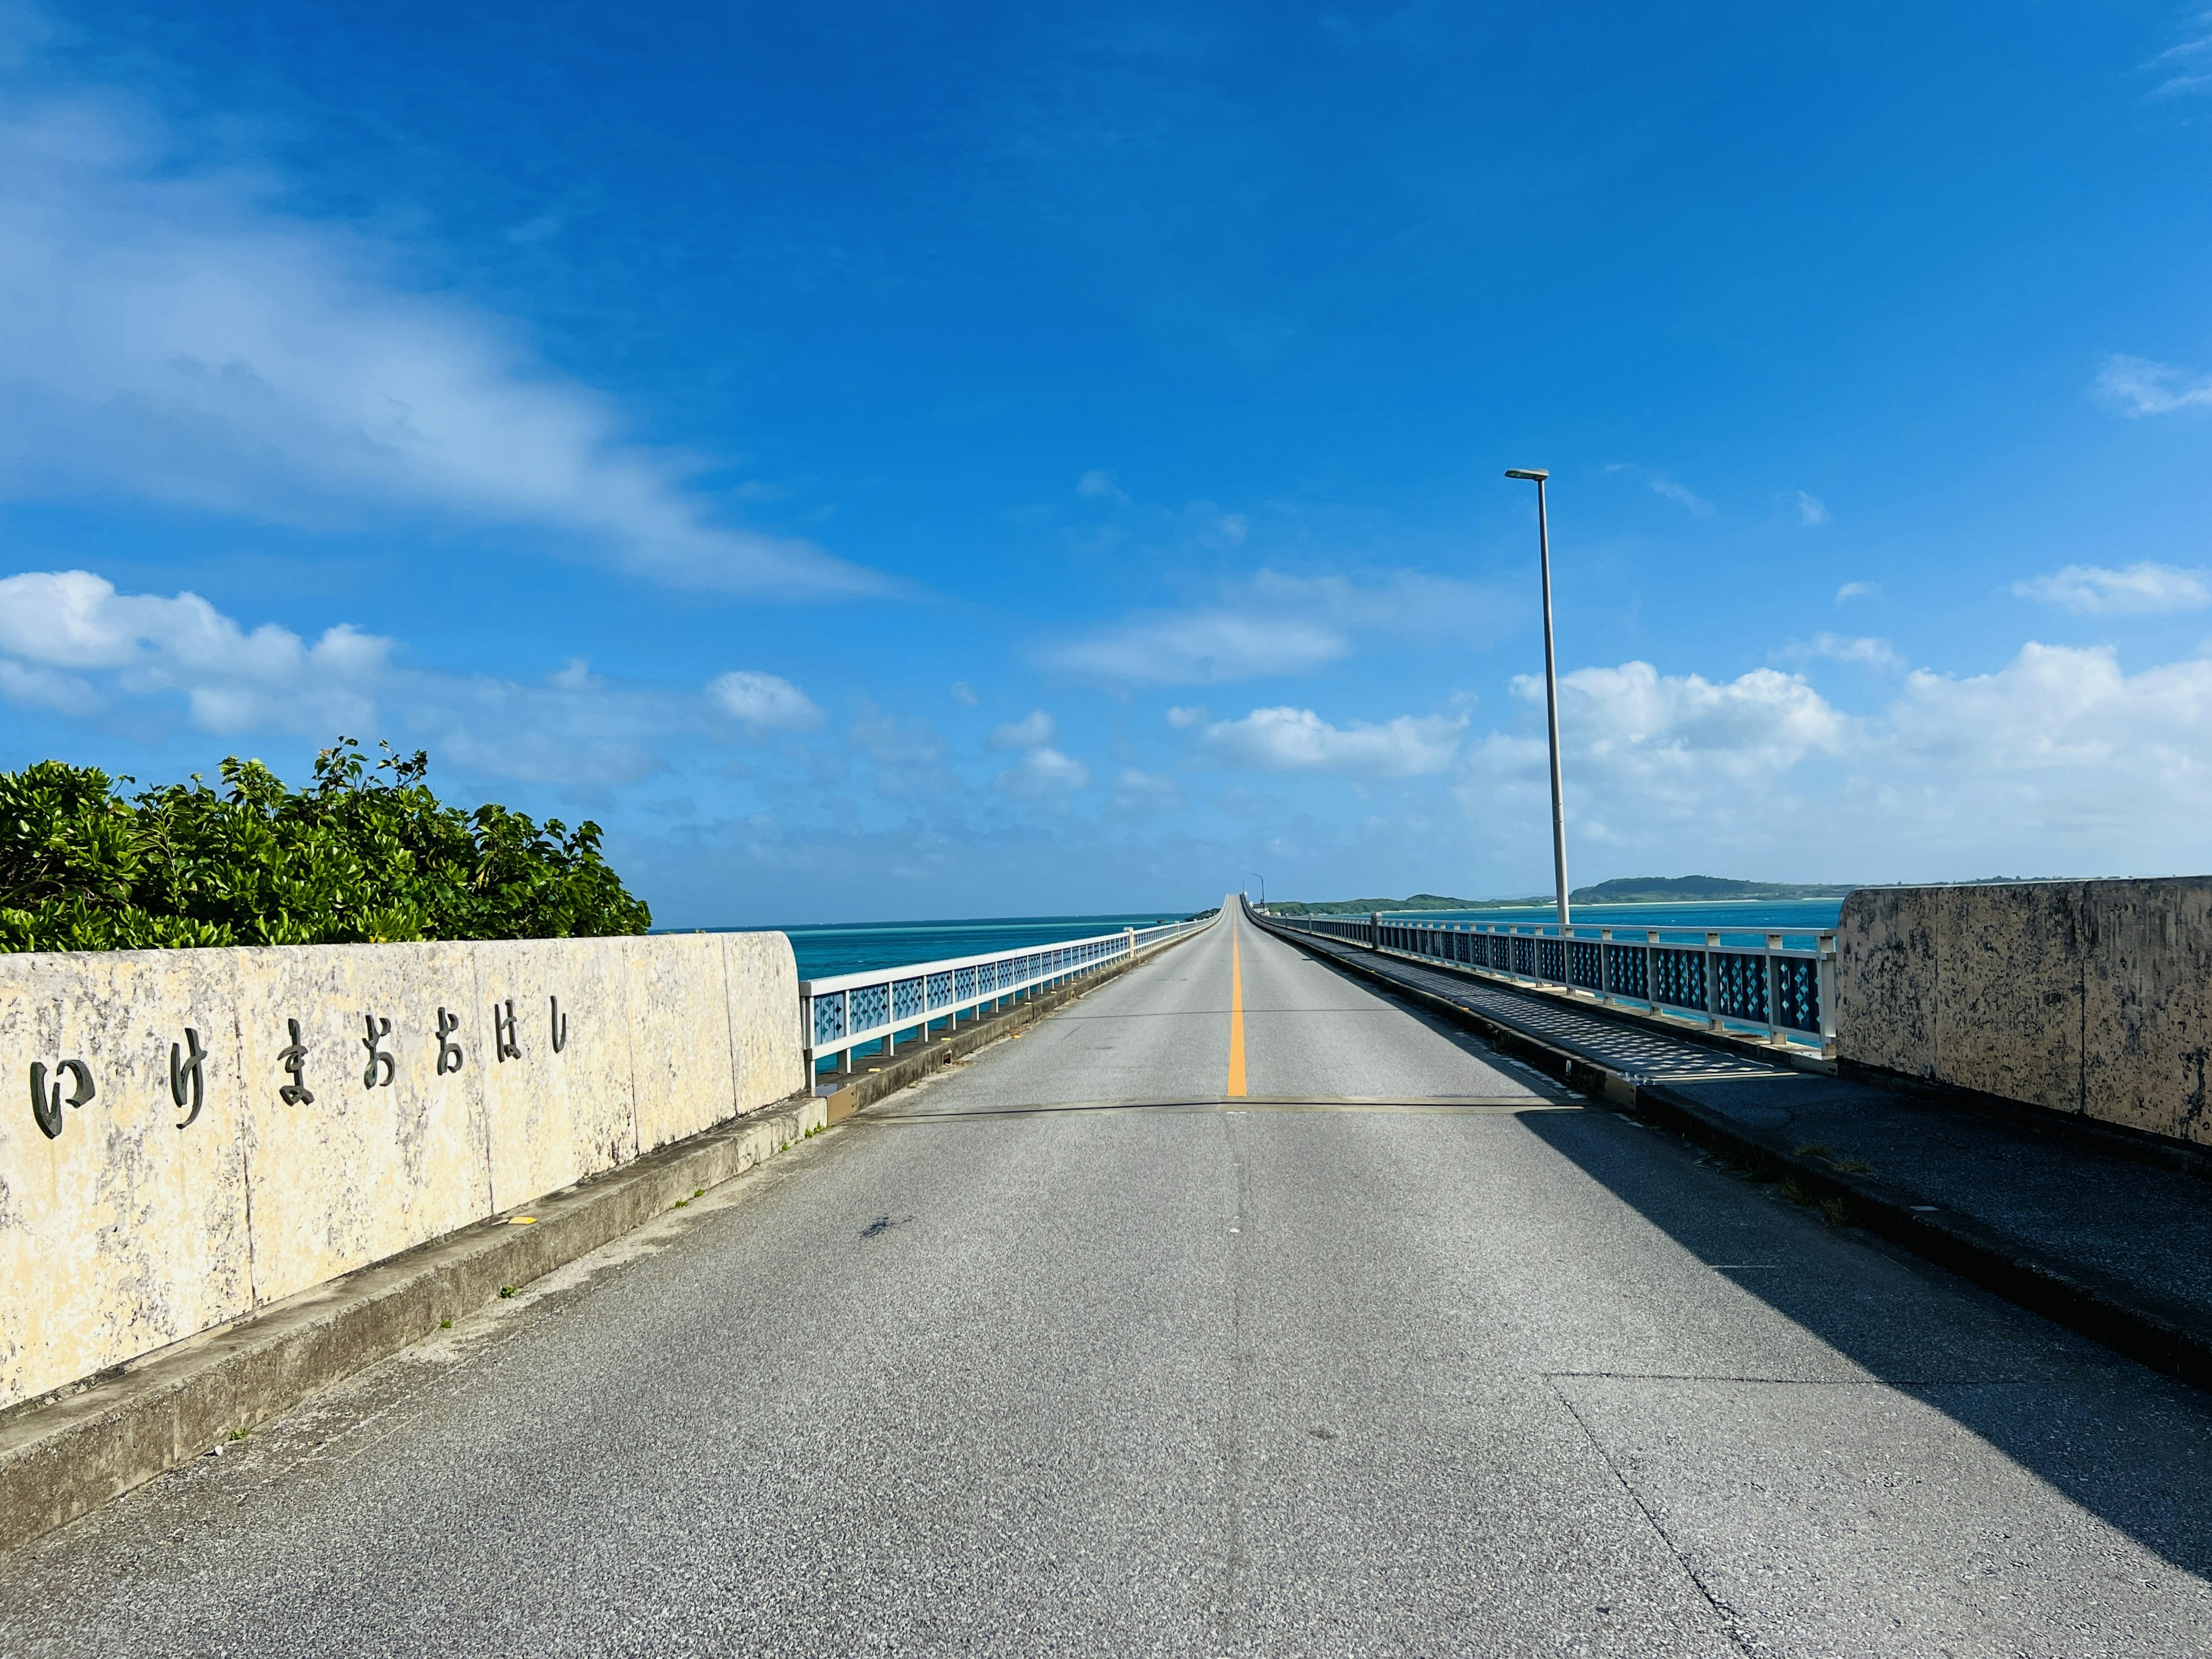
(2166, 1335)
(63, 1454)
(900, 1071)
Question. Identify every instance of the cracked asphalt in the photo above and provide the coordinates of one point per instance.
(1076, 1350)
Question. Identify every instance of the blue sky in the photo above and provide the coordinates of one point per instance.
(912, 461)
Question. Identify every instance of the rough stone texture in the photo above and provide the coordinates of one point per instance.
(557, 1117)
(2148, 1004)
(679, 1035)
(126, 1234)
(2008, 991)
(2093, 998)
(360, 1173)
(1885, 963)
(766, 1057)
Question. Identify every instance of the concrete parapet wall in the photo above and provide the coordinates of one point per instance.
(2086, 997)
(179, 1196)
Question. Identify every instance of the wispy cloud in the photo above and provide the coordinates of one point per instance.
(1850, 591)
(1033, 730)
(2186, 65)
(1863, 649)
(1811, 509)
(1200, 646)
(1272, 624)
(174, 332)
(2137, 386)
(1137, 792)
(1043, 775)
(1285, 739)
(1098, 485)
(1664, 485)
(2140, 589)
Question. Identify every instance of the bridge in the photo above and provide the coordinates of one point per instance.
(1264, 1296)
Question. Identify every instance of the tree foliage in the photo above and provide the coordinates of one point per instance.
(367, 854)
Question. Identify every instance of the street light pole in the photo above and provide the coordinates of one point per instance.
(1551, 687)
(1263, 888)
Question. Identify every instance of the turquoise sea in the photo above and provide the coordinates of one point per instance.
(1730, 917)
(855, 947)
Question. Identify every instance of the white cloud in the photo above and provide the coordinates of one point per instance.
(1044, 775)
(2137, 386)
(70, 643)
(1033, 730)
(764, 702)
(1183, 716)
(1811, 509)
(75, 644)
(1656, 726)
(2059, 761)
(1298, 740)
(2140, 589)
(1850, 591)
(1098, 485)
(964, 693)
(173, 332)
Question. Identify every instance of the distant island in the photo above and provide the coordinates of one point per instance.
(1621, 889)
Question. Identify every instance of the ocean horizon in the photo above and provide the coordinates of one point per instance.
(823, 949)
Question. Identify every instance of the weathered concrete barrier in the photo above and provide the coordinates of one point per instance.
(2087, 997)
(208, 1132)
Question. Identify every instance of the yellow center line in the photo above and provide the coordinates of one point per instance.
(1236, 1089)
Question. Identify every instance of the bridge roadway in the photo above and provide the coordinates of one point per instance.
(1074, 1351)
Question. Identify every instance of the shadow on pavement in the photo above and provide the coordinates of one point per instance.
(2130, 1447)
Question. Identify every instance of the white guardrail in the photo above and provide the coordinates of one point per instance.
(847, 1011)
(1786, 996)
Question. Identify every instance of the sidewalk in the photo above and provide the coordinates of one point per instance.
(2108, 1233)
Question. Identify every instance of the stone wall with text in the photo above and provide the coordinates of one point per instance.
(2090, 997)
(197, 1133)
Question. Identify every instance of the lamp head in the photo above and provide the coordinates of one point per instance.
(1536, 472)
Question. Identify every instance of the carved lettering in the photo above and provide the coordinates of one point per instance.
(47, 1104)
(294, 1058)
(188, 1076)
(381, 1067)
(504, 1042)
(560, 1026)
(449, 1052)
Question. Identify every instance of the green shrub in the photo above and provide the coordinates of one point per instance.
(367, 853)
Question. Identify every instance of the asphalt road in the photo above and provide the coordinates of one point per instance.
(1079, 1349)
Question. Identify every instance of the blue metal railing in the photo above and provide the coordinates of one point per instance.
(846, 1011)
(1785, 994)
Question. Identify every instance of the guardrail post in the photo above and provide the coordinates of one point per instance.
(1712, 983)
(1824, 952)
(1774, 992)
